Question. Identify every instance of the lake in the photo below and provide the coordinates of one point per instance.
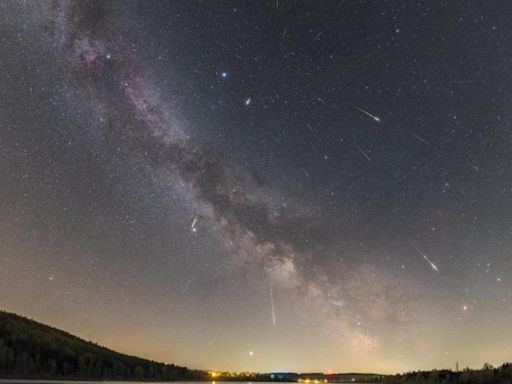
(24, 381)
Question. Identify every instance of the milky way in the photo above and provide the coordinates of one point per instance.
(220, 185)
(252, 230)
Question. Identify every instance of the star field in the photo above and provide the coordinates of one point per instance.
(261, 185)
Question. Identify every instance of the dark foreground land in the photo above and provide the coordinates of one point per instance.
(486, 375)
(31, 350)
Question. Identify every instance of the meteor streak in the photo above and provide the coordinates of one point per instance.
(419, 138)
(434, 267)
(364, 153)
(193, 226)
(274, 320)
(284, 34)
(376, 118)
(321, 100)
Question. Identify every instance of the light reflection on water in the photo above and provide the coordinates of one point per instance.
(35, 381)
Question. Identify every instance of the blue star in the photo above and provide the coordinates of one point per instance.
(224, 74)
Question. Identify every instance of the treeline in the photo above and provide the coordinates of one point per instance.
(32, 350)
(486, 375)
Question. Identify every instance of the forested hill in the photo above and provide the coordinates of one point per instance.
(29, 349)
(486, 375)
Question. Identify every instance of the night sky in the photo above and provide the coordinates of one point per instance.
(261, 185)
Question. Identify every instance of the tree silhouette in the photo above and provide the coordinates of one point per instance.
(32, 350)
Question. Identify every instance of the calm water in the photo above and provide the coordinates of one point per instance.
(15, 381)
(24, 381)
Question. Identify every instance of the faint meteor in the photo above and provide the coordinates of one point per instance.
(193, 226)
(321, 100)
(284, 34)
(306, 172)
(274, 320)
(318, 35)
(376, 118)
(340, 3)
(364, 153)
(434, 267)
(419, 138)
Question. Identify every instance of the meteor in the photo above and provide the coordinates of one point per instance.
(419, 138)
(321, 100)
(193, 226)
(364, 153)
(376, 118)
(432, 265)
(274, 319)
(284, 34)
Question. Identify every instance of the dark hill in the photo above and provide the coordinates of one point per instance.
(29, 349)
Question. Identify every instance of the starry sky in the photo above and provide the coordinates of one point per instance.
(261, 185)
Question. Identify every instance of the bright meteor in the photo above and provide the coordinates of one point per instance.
(432, 265)
(274, 319)
(376, 118)
(193, 226)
